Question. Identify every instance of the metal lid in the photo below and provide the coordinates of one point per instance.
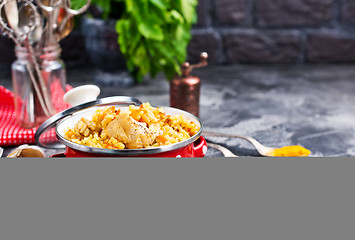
(47, 128)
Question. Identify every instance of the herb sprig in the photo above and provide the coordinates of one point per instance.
(153, 34)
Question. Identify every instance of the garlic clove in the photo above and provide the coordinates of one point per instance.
(27, 151)
(14, 154)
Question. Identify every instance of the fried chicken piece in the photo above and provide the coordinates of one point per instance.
(132, 133)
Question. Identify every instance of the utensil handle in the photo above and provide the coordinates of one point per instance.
(213, 134)
(250, 139)
(225, 151)
(38, 92)
(263, 150)
(200, 147)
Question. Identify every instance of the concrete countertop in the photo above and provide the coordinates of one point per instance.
(310, 105)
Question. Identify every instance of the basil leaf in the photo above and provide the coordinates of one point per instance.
(153, 34)
(159, 3)
(151, 31)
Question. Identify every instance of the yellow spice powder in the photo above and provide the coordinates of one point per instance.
(290, 151)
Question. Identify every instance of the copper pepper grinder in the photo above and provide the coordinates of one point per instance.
(185, 89)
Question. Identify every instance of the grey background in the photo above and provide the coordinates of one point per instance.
(248, 31)
(245, 198)
(275, 31)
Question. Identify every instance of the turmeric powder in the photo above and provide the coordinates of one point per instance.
(290, 151)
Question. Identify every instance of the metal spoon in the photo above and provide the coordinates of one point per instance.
(70, 13)
(29, 104)
(225, 151)
(30, 20)
(50, 9)
(20, 34)
(9, 14)
(262, 150)
(27, 16)
(11, 11)
(64, 28)
(67, 29)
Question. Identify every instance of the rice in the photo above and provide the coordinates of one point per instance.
(172, 128)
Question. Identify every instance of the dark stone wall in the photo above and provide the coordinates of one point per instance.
(252, 31)
(275, 31)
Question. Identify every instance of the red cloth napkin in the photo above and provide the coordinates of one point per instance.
(10, 131)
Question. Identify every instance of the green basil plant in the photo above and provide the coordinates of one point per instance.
(152, 34)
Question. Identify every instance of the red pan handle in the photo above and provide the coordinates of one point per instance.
(200, 147)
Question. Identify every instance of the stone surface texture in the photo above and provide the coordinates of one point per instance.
(101, 45)
(328, 47)
(347, 12)
(231, 12)
(279, 105)
(203, 16)
(281, 13)
(204, 42)
(262, 47)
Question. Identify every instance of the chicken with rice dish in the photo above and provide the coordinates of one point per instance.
(134, 127)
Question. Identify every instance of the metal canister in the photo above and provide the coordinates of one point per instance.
(185, 89)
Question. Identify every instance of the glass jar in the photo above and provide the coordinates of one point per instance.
(39, 82)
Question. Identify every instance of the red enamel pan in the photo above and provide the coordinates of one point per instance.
(195, 146)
